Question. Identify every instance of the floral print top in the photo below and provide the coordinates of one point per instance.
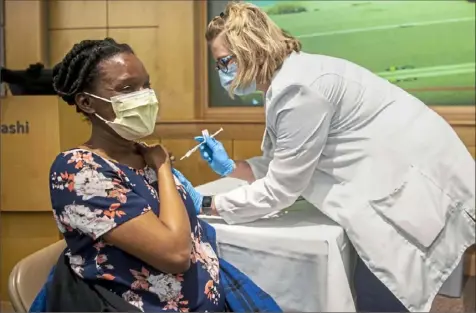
(92, 195)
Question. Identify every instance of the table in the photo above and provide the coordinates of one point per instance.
(300, 257)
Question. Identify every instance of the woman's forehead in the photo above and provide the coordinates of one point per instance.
(122, 66)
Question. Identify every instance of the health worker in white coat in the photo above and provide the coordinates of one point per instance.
(372, 157)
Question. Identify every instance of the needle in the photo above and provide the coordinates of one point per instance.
(189, 152)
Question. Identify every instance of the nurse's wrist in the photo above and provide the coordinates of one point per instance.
(213, 207)
(230, 168)
(242, 170)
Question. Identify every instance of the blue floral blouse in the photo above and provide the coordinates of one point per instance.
(92, 195)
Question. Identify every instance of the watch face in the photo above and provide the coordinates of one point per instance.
(207, 202)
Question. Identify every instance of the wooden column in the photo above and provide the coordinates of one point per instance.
(27, 149)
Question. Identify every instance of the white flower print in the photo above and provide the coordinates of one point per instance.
(82, 157)
(134, 299)
(58, 183)
(77, 264)
(61, 181)
(60, 225)
(90, 183)
(150, 175)
(177, 181)
(203, 252)
(153, 192)
(86, 221)
(166, 286)
(210, 261)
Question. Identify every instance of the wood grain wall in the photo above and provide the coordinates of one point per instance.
(163, 34)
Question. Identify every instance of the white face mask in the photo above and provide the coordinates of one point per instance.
(136, 113)
(226, 78)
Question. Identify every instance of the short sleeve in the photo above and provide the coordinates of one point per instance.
(90, 195)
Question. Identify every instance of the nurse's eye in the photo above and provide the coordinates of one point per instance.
(222, 63)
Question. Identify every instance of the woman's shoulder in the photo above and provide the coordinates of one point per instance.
(77, 160)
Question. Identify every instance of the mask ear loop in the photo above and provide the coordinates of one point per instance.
(97, 97)
(100, 98)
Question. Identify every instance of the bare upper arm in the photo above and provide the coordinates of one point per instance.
(148, 239)
(91, 198)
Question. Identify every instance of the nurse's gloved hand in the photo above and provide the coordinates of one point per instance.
(196, 197)
(213, 152)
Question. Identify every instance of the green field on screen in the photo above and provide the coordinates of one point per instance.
(425, 47)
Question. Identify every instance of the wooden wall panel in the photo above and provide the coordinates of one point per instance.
(470, 261)
(176, 60)
(189, 129)
(152, 141)
(62, 40)
(77, 14)
(134, 13)
(472, 150)
(6, 306)
(26, 158)
(144, 42)
(74, 130)
(21, 234)
(245, 149)
(156, 30)
(25, 33)
(194, 168)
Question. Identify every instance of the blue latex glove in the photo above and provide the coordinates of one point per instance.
(213, 152)
(197, 198)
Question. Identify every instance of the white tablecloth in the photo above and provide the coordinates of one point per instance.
(301, 258)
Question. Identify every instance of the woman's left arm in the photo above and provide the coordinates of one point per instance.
(302, 120)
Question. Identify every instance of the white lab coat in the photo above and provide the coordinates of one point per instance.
(373, 158)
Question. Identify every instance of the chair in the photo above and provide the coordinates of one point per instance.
(30, 274)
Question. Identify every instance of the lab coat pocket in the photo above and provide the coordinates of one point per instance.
(417, 209)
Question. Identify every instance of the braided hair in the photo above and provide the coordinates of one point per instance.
(78, 70)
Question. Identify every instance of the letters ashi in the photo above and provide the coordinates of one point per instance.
(17, 128)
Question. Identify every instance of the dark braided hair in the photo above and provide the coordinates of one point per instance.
(78, 70)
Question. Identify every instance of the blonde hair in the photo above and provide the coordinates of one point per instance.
(258, 44)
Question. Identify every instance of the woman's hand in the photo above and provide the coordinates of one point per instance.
(155, 156)
(172, 158)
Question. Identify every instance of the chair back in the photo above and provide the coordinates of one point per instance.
(30, 274)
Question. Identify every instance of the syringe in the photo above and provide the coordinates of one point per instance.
(189, 152)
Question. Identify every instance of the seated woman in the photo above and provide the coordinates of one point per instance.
(128, 221)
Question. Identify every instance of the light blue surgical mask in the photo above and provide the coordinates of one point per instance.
(227, 78)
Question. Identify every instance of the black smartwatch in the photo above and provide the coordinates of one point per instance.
(207, 205)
